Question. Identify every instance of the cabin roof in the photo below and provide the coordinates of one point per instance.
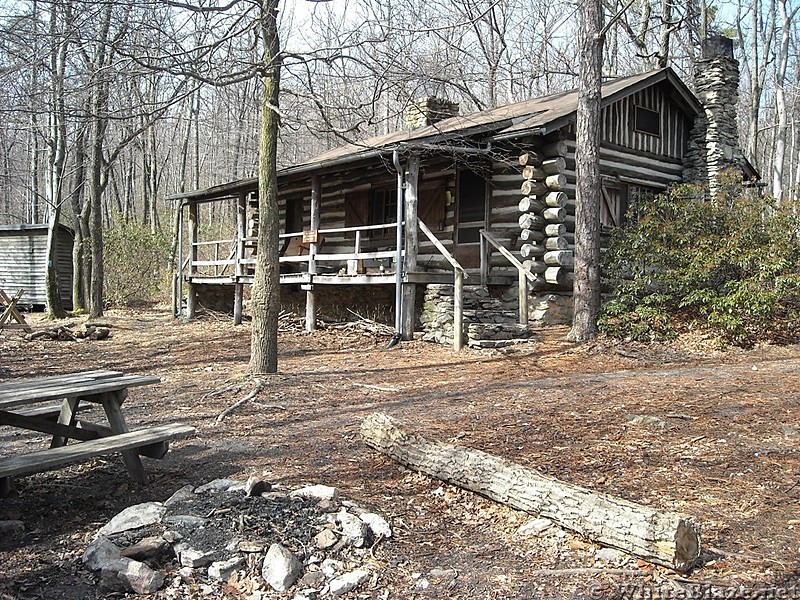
(538, 116)
(32, 228)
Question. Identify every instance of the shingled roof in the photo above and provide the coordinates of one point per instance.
(538, 116)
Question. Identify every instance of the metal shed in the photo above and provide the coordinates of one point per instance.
(23, 262)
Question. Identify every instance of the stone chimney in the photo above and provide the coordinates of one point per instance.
(428, 111)
(714, 140)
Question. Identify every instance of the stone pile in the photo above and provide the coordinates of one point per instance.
(304, 545)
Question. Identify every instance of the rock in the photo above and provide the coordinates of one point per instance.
(647, 421)
(534, 527)
(134, 517)
(183, 494)
(306, 595)
(185, 520)
(101, 553)
(281, 568)
(325, 539)
(331, 568)
(256, 486)
(378, 525)
(11, 527)
(220, 485)
(149, 548)
(317, 492)
(222, 569)
(608, 555)
(119, 573)
(312, 579)
(250, 546)
(354, 529)
(173, 537)
(194, 558)
(347, 582)
(140, 578)
(438, 576)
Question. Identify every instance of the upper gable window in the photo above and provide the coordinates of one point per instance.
(647, 121)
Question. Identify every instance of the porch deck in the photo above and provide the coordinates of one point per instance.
(308, 279)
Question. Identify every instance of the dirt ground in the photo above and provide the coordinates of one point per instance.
(684, 426)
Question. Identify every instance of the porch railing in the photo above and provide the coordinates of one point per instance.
(459, 274)
(219, 248)
(523, 274)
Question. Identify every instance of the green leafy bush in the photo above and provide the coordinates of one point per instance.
(136, 264)
(730, 266)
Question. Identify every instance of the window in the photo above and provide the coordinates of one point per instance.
(636, 195)
(382, 207)
(620, 203)
(647, 121)
(612, 207)
(370, 207)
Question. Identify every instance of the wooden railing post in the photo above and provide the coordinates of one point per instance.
(238, 286)
(194, 228)
(458, 309)
(523, 297)
(484, 260)
(311, 302)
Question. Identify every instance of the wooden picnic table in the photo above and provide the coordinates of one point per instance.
(51, 405)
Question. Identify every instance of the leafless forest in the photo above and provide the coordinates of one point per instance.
(107, 106)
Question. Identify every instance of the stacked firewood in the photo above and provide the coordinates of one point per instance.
(545, 247)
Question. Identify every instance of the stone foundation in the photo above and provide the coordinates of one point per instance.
(218, 298)
(490, 316)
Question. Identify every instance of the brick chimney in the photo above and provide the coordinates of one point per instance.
(714, 140)
(430, 110)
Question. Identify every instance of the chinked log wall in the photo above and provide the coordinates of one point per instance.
(631, 167)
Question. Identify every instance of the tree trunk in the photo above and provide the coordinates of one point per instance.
(265, 302)
(56, 156)
(586, 288)
(663, 538)
(99, 124)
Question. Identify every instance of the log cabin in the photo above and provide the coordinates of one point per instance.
(463, 226)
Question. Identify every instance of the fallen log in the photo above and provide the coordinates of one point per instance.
(662, 538)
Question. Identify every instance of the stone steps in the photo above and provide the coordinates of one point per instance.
(490, 320)
(497, 335)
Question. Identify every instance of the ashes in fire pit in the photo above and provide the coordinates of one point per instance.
(230, 536)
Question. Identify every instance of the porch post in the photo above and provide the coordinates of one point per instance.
(238, 287)
(458, 309)
(194, 228)
(523, 297)
(177, 282)
(411, 244)
(311, 302)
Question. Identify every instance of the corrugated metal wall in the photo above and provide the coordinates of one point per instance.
(23, 263)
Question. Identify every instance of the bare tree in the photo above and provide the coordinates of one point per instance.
(780, 100)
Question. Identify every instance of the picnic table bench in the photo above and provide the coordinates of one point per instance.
(51, 405)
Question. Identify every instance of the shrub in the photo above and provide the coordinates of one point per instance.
(730, 266)
(136, 264)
